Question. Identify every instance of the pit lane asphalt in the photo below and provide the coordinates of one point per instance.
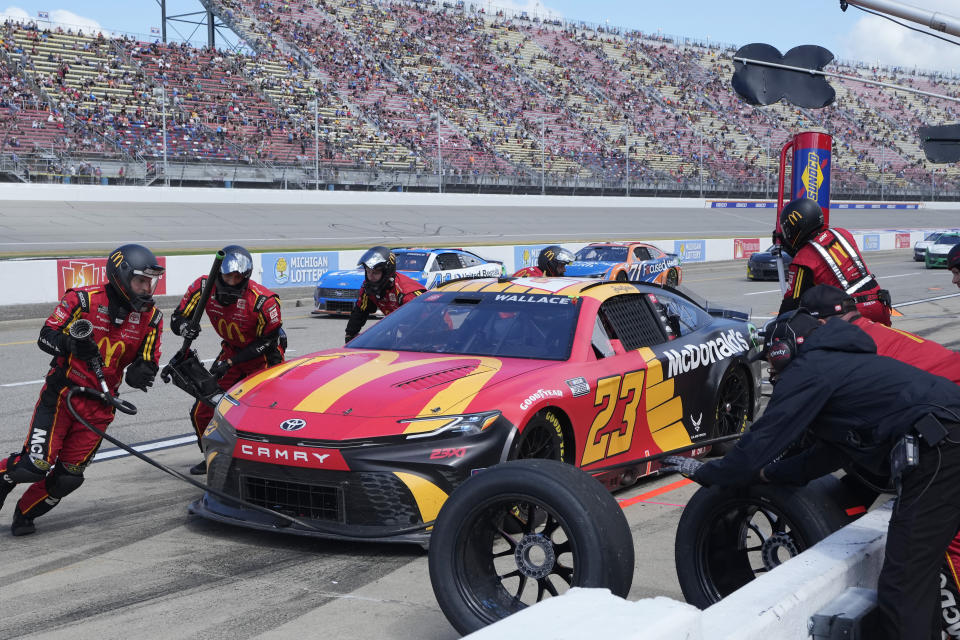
(122, 558)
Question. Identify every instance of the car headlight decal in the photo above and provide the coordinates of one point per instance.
(433, 426)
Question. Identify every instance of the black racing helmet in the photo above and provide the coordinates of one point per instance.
(953, 258)
(799, 220)
(783, 336)
(553, 260)
(126, 263)
(378, 258)
(236, 260)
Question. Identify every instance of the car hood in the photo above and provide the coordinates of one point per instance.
(378, 384)
(342, 279)
(584, 268)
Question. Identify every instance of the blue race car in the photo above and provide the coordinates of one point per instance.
(633, 261)
(338, 290)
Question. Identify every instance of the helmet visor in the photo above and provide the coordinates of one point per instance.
(236, 263)
(144, 281)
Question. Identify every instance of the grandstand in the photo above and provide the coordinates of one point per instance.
(426, 95)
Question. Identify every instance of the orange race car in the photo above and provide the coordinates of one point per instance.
(626, 261)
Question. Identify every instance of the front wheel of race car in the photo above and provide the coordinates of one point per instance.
(673, 278)
(541, 438)
(726, 537)
(732, 413)
(573, 534)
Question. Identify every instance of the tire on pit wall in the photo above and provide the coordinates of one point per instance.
(577, 536)
(725, 537)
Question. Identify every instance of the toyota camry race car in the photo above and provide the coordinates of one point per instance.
(370, 439)
(634, 261)
(337, 290)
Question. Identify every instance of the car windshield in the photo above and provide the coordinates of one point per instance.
(951, 240)
(933, 236)
(531, 325)
(411, 260)
(602, 254)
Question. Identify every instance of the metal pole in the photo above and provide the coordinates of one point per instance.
(316, 144)
(543, 157)
(934, 20)
(163, 98)
(628, 170)
(766, 171)
(701, 164)
(439, 157)
(881, 173)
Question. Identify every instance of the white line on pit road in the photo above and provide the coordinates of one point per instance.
(110, 454)
(20, 384)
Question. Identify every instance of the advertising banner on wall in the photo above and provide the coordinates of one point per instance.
(297, 268)
(902, 241)
(526, 255)
(690, 250)
(871, 241)
(743, 248)
(82, 272)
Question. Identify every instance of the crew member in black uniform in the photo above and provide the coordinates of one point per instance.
(857, 407)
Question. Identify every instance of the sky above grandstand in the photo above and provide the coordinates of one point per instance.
(853, 35)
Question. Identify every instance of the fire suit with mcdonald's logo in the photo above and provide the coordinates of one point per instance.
(57, 444)
(832, 257)
(395, 294)
(529, 272)
(251, 337)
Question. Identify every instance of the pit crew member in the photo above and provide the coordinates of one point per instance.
(383, 288)
(827, 256)
(953, 263)
(552, 262)
(126, 337)
(858, 407)
(246, 316)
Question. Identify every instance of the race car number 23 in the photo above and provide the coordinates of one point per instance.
(607, 438)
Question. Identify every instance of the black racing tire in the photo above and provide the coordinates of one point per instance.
(541, 438)
(732, 411)
(672, 279)
(621, 277)
(726, 537)
(481, 573)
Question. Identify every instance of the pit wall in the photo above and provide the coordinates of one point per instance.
(39, 281)
(777, 605)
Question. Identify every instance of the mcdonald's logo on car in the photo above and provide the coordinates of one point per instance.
(229, 331)
(109, 349)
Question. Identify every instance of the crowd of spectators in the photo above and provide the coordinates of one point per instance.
(416, 87)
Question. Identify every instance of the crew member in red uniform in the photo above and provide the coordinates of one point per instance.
(552, 262)
(827, 256)
(126, 336)
(246, 316)
(953, 263)
(383, 288)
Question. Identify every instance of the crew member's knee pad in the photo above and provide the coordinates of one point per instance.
(66, 478)
(25, 469)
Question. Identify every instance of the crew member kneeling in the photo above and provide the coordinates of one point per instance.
(857, 406)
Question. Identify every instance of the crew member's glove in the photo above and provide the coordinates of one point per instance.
(190, 332)
(686, 466)
(85, 349)
(219, 368)
(141, 374)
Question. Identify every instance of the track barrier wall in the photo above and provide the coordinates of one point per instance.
(29, 281)
(777, 605)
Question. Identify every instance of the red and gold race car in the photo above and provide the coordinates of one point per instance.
(370, 439)
(633, 261)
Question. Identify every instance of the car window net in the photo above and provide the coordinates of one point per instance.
(633, 322)
(602, 254)
(411, 261)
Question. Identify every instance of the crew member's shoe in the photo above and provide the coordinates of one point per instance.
(22, 525)
(199, 469)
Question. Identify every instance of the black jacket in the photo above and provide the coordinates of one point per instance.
(854, 403)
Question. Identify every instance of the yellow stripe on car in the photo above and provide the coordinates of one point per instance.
(429, 496)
